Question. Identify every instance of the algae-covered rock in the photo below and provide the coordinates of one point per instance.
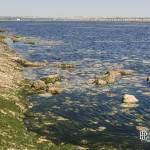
(26, 63)
(66, 66)
(111, 76)
(129, 99)
(48, 84)
(51, 78)
(39, 85)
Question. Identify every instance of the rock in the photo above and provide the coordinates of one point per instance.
(100, 82)
(53, 89)
(66, 66)
(140, 128)
(129, 99)
(39, 85)
(111, 76)
(51, 78)
(26, 63)
(148, 79)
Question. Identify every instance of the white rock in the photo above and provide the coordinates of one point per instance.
(129, 98)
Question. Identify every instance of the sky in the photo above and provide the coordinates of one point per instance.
(71, 8)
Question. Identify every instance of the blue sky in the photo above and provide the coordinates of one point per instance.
(61, 8)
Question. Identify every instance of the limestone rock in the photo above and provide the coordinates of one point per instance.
(51, 78)
(129, 99)
(111, 76)
(39, 85)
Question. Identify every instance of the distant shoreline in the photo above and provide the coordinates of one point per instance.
(101, 19)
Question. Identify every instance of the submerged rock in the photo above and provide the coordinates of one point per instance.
(51, 78)
(129, 99)
(53, 89)
(111, 76)
(66, 66)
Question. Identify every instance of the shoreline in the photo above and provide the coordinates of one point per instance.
(13, 106)
(78, 18)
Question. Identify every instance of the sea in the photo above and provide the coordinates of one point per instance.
(83, 113)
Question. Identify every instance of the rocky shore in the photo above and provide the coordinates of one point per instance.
(13, 133)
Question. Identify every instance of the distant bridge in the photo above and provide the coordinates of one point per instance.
(142, 20)
(102, 19)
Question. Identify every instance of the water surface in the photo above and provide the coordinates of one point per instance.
(94, 48)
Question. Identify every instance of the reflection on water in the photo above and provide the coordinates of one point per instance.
(85, 114)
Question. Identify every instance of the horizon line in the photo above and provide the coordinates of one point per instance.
(76, 17)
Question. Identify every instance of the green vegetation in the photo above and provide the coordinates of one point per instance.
(51, 79)
(13, 133)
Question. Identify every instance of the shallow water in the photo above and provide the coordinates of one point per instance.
(81, 108)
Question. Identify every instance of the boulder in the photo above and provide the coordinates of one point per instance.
(111, 76)
(39, 85)
(129, 99)
(51, 78)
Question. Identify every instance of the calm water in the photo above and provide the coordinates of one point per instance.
(94, 48)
